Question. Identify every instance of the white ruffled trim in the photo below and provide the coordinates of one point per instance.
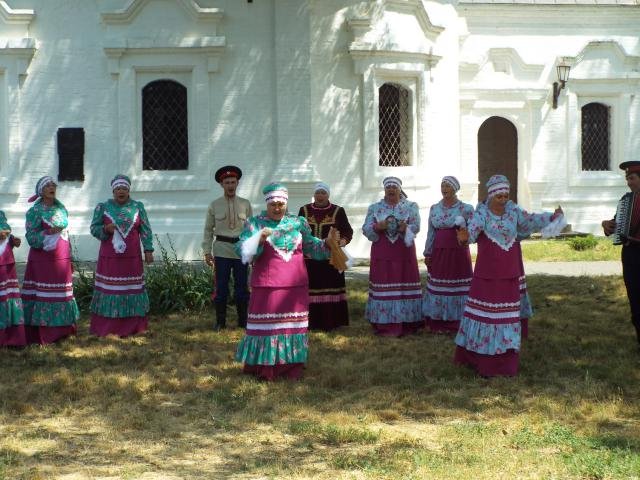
(286, 255)
(124, 234)
(409, 236)
(119, 245)
(249, 247)
(555, 227)
(506, 247)
(51, 241)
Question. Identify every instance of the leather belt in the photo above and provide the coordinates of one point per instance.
(223, 238)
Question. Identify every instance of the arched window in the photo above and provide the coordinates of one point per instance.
(165, 139)
(394, 130)
(596, 136)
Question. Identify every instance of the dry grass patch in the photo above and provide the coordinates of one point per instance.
(173, 404)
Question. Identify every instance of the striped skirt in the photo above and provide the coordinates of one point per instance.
(394, 306)
(448, 283)
(490, 333)
(50, 310)
(276, 341)
(120, 302)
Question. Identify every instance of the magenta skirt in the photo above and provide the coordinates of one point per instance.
(14, 336)
(448, 282)
(289, 371)
(47, 335)
(396, 329)
(122, 327)
(501, 365)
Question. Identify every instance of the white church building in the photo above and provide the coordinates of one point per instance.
(343, 91)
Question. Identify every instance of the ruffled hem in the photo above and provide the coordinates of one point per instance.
(273, 349)
(488, 339)
(445, 308)
(51, 314)
(394, 311)
(11, 313)
(120, 306)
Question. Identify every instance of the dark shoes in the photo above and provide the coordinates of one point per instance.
(221, 317)
(241, 308)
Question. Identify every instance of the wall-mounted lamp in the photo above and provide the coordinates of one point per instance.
(562, 70)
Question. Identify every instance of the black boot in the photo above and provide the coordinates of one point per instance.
(241, 308)
(221, 316)
(636, 325)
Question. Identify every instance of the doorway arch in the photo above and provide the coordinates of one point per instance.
(497, 153)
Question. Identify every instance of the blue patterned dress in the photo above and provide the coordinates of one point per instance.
(395, 294)
(490, 331)
(449, 272)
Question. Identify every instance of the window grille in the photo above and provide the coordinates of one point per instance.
(596, 145)
(394, 117)
(165, 140)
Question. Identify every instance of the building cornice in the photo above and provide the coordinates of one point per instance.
(129, 12)
(15, 16)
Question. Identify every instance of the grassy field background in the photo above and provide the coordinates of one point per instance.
(573, 249)
(172, 404)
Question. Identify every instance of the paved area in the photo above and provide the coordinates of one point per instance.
(565, 269)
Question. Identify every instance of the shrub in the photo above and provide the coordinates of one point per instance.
(173, 285)
(82, 286)
(588, 242)
(176, 286)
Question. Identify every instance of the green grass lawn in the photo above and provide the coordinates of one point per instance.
(561, 250)
(172, 404)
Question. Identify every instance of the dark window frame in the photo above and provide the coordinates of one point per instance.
(70, 146)
(595, 137)
(165, 126)
(395, 122)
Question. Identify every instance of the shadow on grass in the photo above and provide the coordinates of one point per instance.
(173, 400)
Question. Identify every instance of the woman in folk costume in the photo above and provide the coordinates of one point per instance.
(327, 291)
(448, 263)
(275, 342)
(395, 295)
(50, 311)
(11, 314)
(490, 331)
(120, 302)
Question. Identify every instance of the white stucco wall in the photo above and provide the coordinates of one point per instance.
(287, 90)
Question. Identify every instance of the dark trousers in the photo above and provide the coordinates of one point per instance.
(631, 275)
(224, 267)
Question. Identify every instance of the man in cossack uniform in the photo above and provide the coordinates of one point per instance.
(225, 218)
